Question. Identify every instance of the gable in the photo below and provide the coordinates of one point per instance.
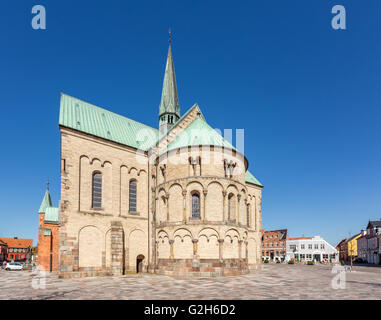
(179, 126)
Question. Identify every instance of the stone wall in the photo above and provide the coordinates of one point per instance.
(91, 239)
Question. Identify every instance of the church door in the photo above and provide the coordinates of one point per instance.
(139, 263)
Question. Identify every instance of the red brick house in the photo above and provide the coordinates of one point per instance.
(3, 251)
(274, 243)
(48, 238)
(18, 248)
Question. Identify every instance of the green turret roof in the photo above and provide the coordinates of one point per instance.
(51, 213)
(169, 98)
(83, 116)
(199, 133)
(46, 202)
(251, 179)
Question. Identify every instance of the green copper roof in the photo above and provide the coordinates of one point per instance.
(199, 133)
(82, 116)
(46, 202)
(251, 179)
(169, 98)
(51, 214)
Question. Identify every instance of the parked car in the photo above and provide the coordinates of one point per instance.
(13, 266)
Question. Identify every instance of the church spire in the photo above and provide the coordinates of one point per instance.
(46, 201)
(169, 110)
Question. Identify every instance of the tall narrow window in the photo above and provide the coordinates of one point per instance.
(97, 190)
(132, 196)
(196, 206)
(248, 215)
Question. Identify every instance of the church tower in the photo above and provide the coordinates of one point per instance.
(169, 110)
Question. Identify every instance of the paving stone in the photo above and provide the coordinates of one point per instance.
(287, 281)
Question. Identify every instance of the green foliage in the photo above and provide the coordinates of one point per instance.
(266, 261)
(292, 261)
(310, 263)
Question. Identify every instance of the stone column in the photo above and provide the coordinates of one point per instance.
(167, 200)
(221, 247)
(195, 247)
(245, 209)
(254, 212)
(240, 249)
(171, 255)
(184, 205)
(224, 205)
(237, 212)
(117, 248)
(157, 252)
(203, 217)
(247, 250)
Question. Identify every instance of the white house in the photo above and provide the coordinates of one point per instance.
(311, 248)
(362, 246)
(373, 236)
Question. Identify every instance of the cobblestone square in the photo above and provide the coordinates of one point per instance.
(274, 281)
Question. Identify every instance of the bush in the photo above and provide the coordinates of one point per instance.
(310, 263)
(342, 262)
(277, 261)
(291, 261)
(266, 261)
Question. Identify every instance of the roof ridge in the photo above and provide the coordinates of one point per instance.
(102, 108)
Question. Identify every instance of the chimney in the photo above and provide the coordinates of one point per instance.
(15, 238)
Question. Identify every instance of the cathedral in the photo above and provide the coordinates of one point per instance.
(178, 200)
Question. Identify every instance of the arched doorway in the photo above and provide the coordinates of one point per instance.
(139, 263)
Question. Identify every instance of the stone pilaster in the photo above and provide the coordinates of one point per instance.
(203, 217)
(184, 205)
(171, 255)
(221, 249)
(195, 247)
(117, 248)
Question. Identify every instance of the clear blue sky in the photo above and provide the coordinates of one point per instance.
(307, 96)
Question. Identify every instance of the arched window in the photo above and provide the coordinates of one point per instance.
(195, 206)
(248, 215)
(132, 196)
(97, 190)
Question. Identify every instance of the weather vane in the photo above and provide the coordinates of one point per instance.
(169, 32)
(47, 184)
